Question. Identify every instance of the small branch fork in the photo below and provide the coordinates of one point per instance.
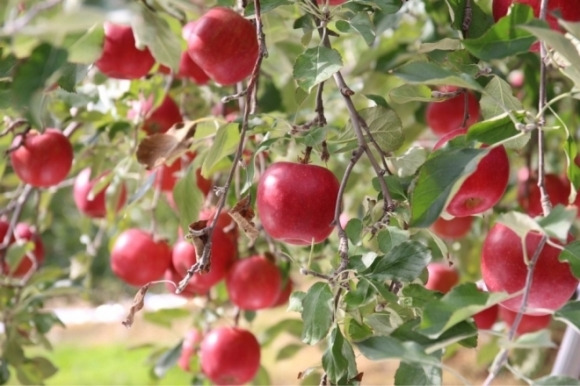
(204, 262)
(502, 357)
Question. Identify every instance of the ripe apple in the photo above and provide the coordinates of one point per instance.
(529, 323)
(455, 228)
(191, 343)
(94, 206)
(296, 202)
(442, 277)
(188, 69)
(190, 290)
(284, 293)
(568, 10)
(223, 255)
(254, 283)
(23, 232)
(528, 193)
(159, 120)
(485, 186)
(446, 116)
(230, 356)
(225, 222)
(484, 320)
(503, 269)
(168, 175)
(138, 259)
(224, 45)
(121, 59)
(42, 159)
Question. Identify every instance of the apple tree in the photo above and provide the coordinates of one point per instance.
(399, 177)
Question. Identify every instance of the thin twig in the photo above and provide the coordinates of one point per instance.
(18, 24)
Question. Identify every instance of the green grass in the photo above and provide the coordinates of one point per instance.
(108, 365)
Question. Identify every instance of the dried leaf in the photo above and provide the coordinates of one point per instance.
(199, 239)
(138, 303)
(159, 148)
(243, 213)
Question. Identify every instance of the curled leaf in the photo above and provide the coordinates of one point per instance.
(243, 213)
(138, 302)
(159, 148)
(198, 236)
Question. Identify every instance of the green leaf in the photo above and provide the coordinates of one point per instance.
(500, 129)
(417, 374)
(165, 317)
(317, 313)
(261, 378)
(167, 360)
(31, 76)
(436, 179)
(357, 331)
(558, 222)
(457, 305)
(386, 347)
(188, 198)
(504, 38)
(316, 65)
(291, 326)
(432, 74)
(4, 371)
(411, 93)
(556, 380)
(391, 237)
(265, 6)
(353, 230)
(385, 126)
(571, 254)
(225, 143)
(404, 261)
(480, 20)
(338, 360)
(87, 47)
(518, 222)
(288, 351)
(35, 370)
(498, 99)
(362, 24)
(153, 31)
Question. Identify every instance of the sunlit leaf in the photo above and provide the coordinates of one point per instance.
(316, 65)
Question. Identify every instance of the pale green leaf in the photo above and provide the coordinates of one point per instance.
(315, 65)
(225, 143)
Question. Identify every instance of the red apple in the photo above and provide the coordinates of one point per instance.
(190, 346)
(529, 323)
(568, 10)
(529, 193)
(225, 222)
(94, 206)
(296, 202)
(455, 228)
(284, 293)
(188, 69)
(446, 116)
(23, 232)
(138, 259)
(190, 290)
(168, 175)
(253, 283)
(442, 277)
(224, 45)
(503, 269)
(230, 356)
(223, 255)
(485, 186)
(121, 58)
(159, 120)
(42, 159)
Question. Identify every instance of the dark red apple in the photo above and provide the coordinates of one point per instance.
(137, 259)
(42, 159)
(485, 186)
(121, 58)
(188, 69)
(446, 116)
(223, 255)
(529, 323)
(94, 205)
(159, 120)
(230, 356)
(528, 193)
(442, 277)
(224, 44)
(296, 202)
(225, 222)
(503, 269)
(455, 228)
(254, 283)
(284, 294)
(168, 175)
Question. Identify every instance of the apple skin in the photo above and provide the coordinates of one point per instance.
(95, 207)
(296, 202)
(442, 277)
(190, 290)
(485, 186)
(191, 343)
(284, 295)
(235, 40)
(529, 323)
(455, 228)
(484, 320)
(188, 69)
(230, 356)
(168, 175)
(120, 58)
(42, 159)
(22, 232)
(503, 269)
(225, 223)
(528, 192)
(223, 255)
(568, 9)
(162, 118)
(137, 259)
(254, 283)
(446, 116)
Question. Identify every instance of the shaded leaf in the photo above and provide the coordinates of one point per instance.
(165, 317)
(338, 360)
(404, 261)
(417, 374)
(316, 65)
(317, 313)
(500, 129)
(433, 74)
(353, 230)
(288, 351)
(570, 313)
(167, 360)
(555, 380)
(225, 143)
(386, 347)
(498, 99)
(188, 198)
(290, 326)
(411, 93)
(558, 222)
(571, 254)
(159, 148)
